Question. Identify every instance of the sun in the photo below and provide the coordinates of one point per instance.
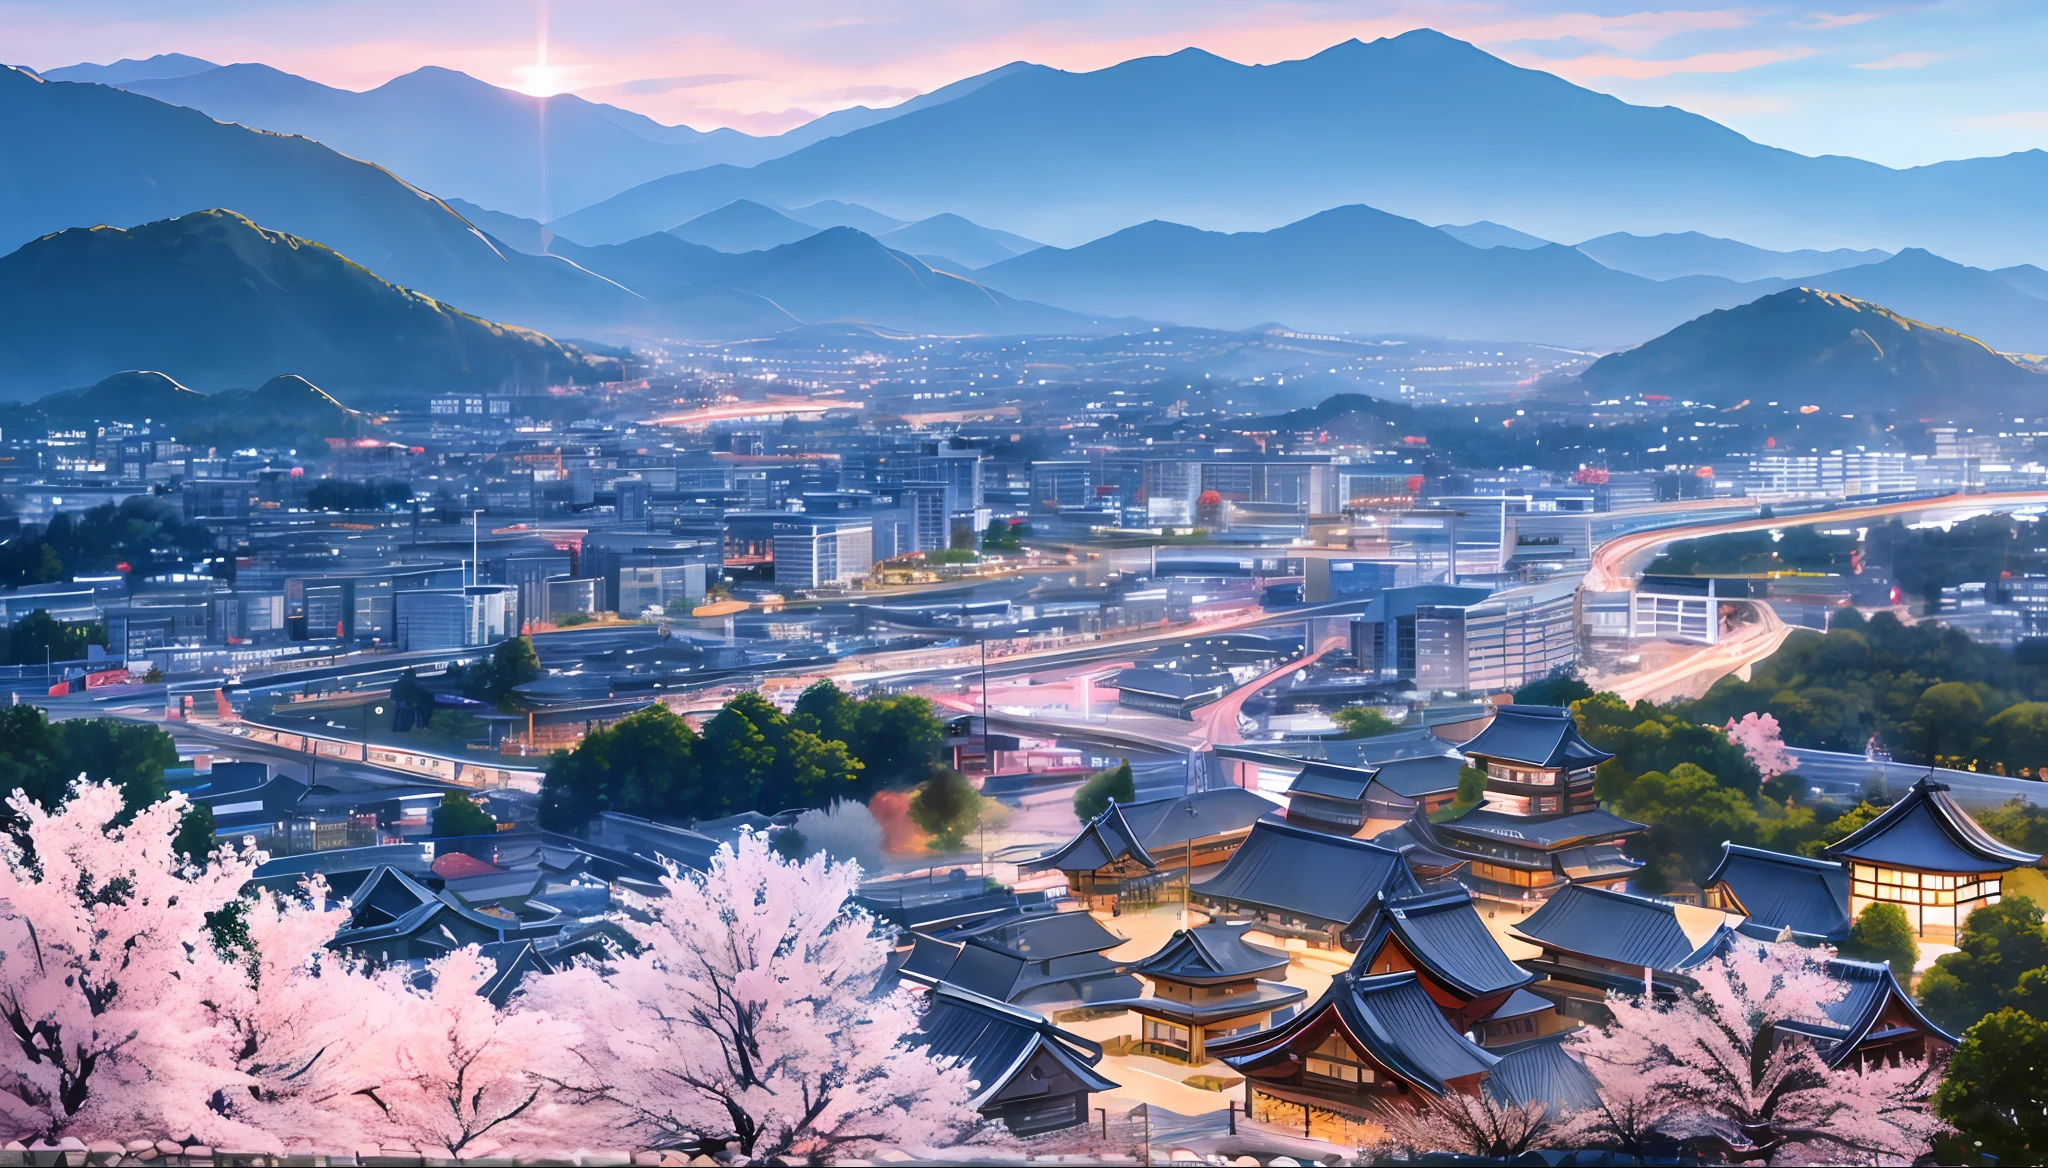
(541, 79)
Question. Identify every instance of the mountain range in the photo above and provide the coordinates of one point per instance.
(1807, 347)
(1357, 269)
(1689, 253)
(836, 275)
(217, 302)
(1421, 125)
(285, 410)
(461, 137)
(99, 155)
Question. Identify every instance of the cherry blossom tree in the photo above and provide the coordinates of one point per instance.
(314, 1029)
(105, 966)
(1471, 1125)
(469, 1078)
(1713, 1065)
(1757, 735)
(749, 1017)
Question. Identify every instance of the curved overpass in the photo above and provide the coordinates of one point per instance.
(1611, 569)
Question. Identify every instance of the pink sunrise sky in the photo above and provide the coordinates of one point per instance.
(1901, 82)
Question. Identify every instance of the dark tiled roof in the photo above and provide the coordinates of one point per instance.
(1926, 830)
(1418, 776)
(1541, 1072)
(1330, 781)
(1102, 841)
(1520, 1004)
(1390, 1017)
(1869, 987)
(1537, 736)
(1307, 873)
(1777, 891)
(1613, 926)
(1036, 936)
(1161, 823)
(1543, 831)
(995, 1041)
(1211, 953)
(1444, 934)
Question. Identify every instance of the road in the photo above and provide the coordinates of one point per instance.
(1847, 775)
(1696, 673)
(1612, 570)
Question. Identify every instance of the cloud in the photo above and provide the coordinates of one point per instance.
(869, 93)
(1638, 69)
(1828, 20)
(651, 85)
(1910, 59)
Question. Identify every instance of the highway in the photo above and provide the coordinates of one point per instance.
(1694, 674)
(1846, 776)
(1613, 562)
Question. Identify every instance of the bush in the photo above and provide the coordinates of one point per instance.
(1360, 722)
(947, 807)
(570, 620)
(1882, 933)
(1993, 1092)
(459, 815)
(844, 831)
(1104, 787)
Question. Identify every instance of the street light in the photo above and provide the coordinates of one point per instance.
(474, 575)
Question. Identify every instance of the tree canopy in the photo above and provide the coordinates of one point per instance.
(750, 756)
(1099, 790)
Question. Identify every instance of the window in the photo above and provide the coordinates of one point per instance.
(1167, 1032)
(1501, 875)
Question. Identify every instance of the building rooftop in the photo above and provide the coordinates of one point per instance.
(1779, 891)
(1443, 933)
(1308, 873)
(1624, 928)
(1390, 1017)
(1536, 736)
(1927, 831)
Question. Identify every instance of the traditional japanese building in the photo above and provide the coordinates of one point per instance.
(1778, 894)
(1368, 1041)
(1926, 855)
(1140, 853)
(1440, 937)
(1209, 984)
(1873, 1021)
(1023, 957)
(1540, 828)
(1028, 1074)
(1597, 940)
(1298, 882)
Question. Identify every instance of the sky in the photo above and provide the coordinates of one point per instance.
(1902, 82)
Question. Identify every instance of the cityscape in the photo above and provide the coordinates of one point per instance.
(1130, 587)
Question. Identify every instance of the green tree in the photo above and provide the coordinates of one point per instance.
(810, 771)
(1098, 790)
(131, 754)
(645, 764)
(738, 753)
(1645, 738)
(49, 567)
(1559, 689)
(1689, 813)
(412, 702)
(512, 663)
(2019, 823)
(897, 737)
(1882, 933)
(1997, 946)
(830, 709)
(38, 637)
(1948, 722)
(947, 807)
(1360, 722)
(194, 840)
(1994, 1092)
(2018, 737)
(458, 814)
